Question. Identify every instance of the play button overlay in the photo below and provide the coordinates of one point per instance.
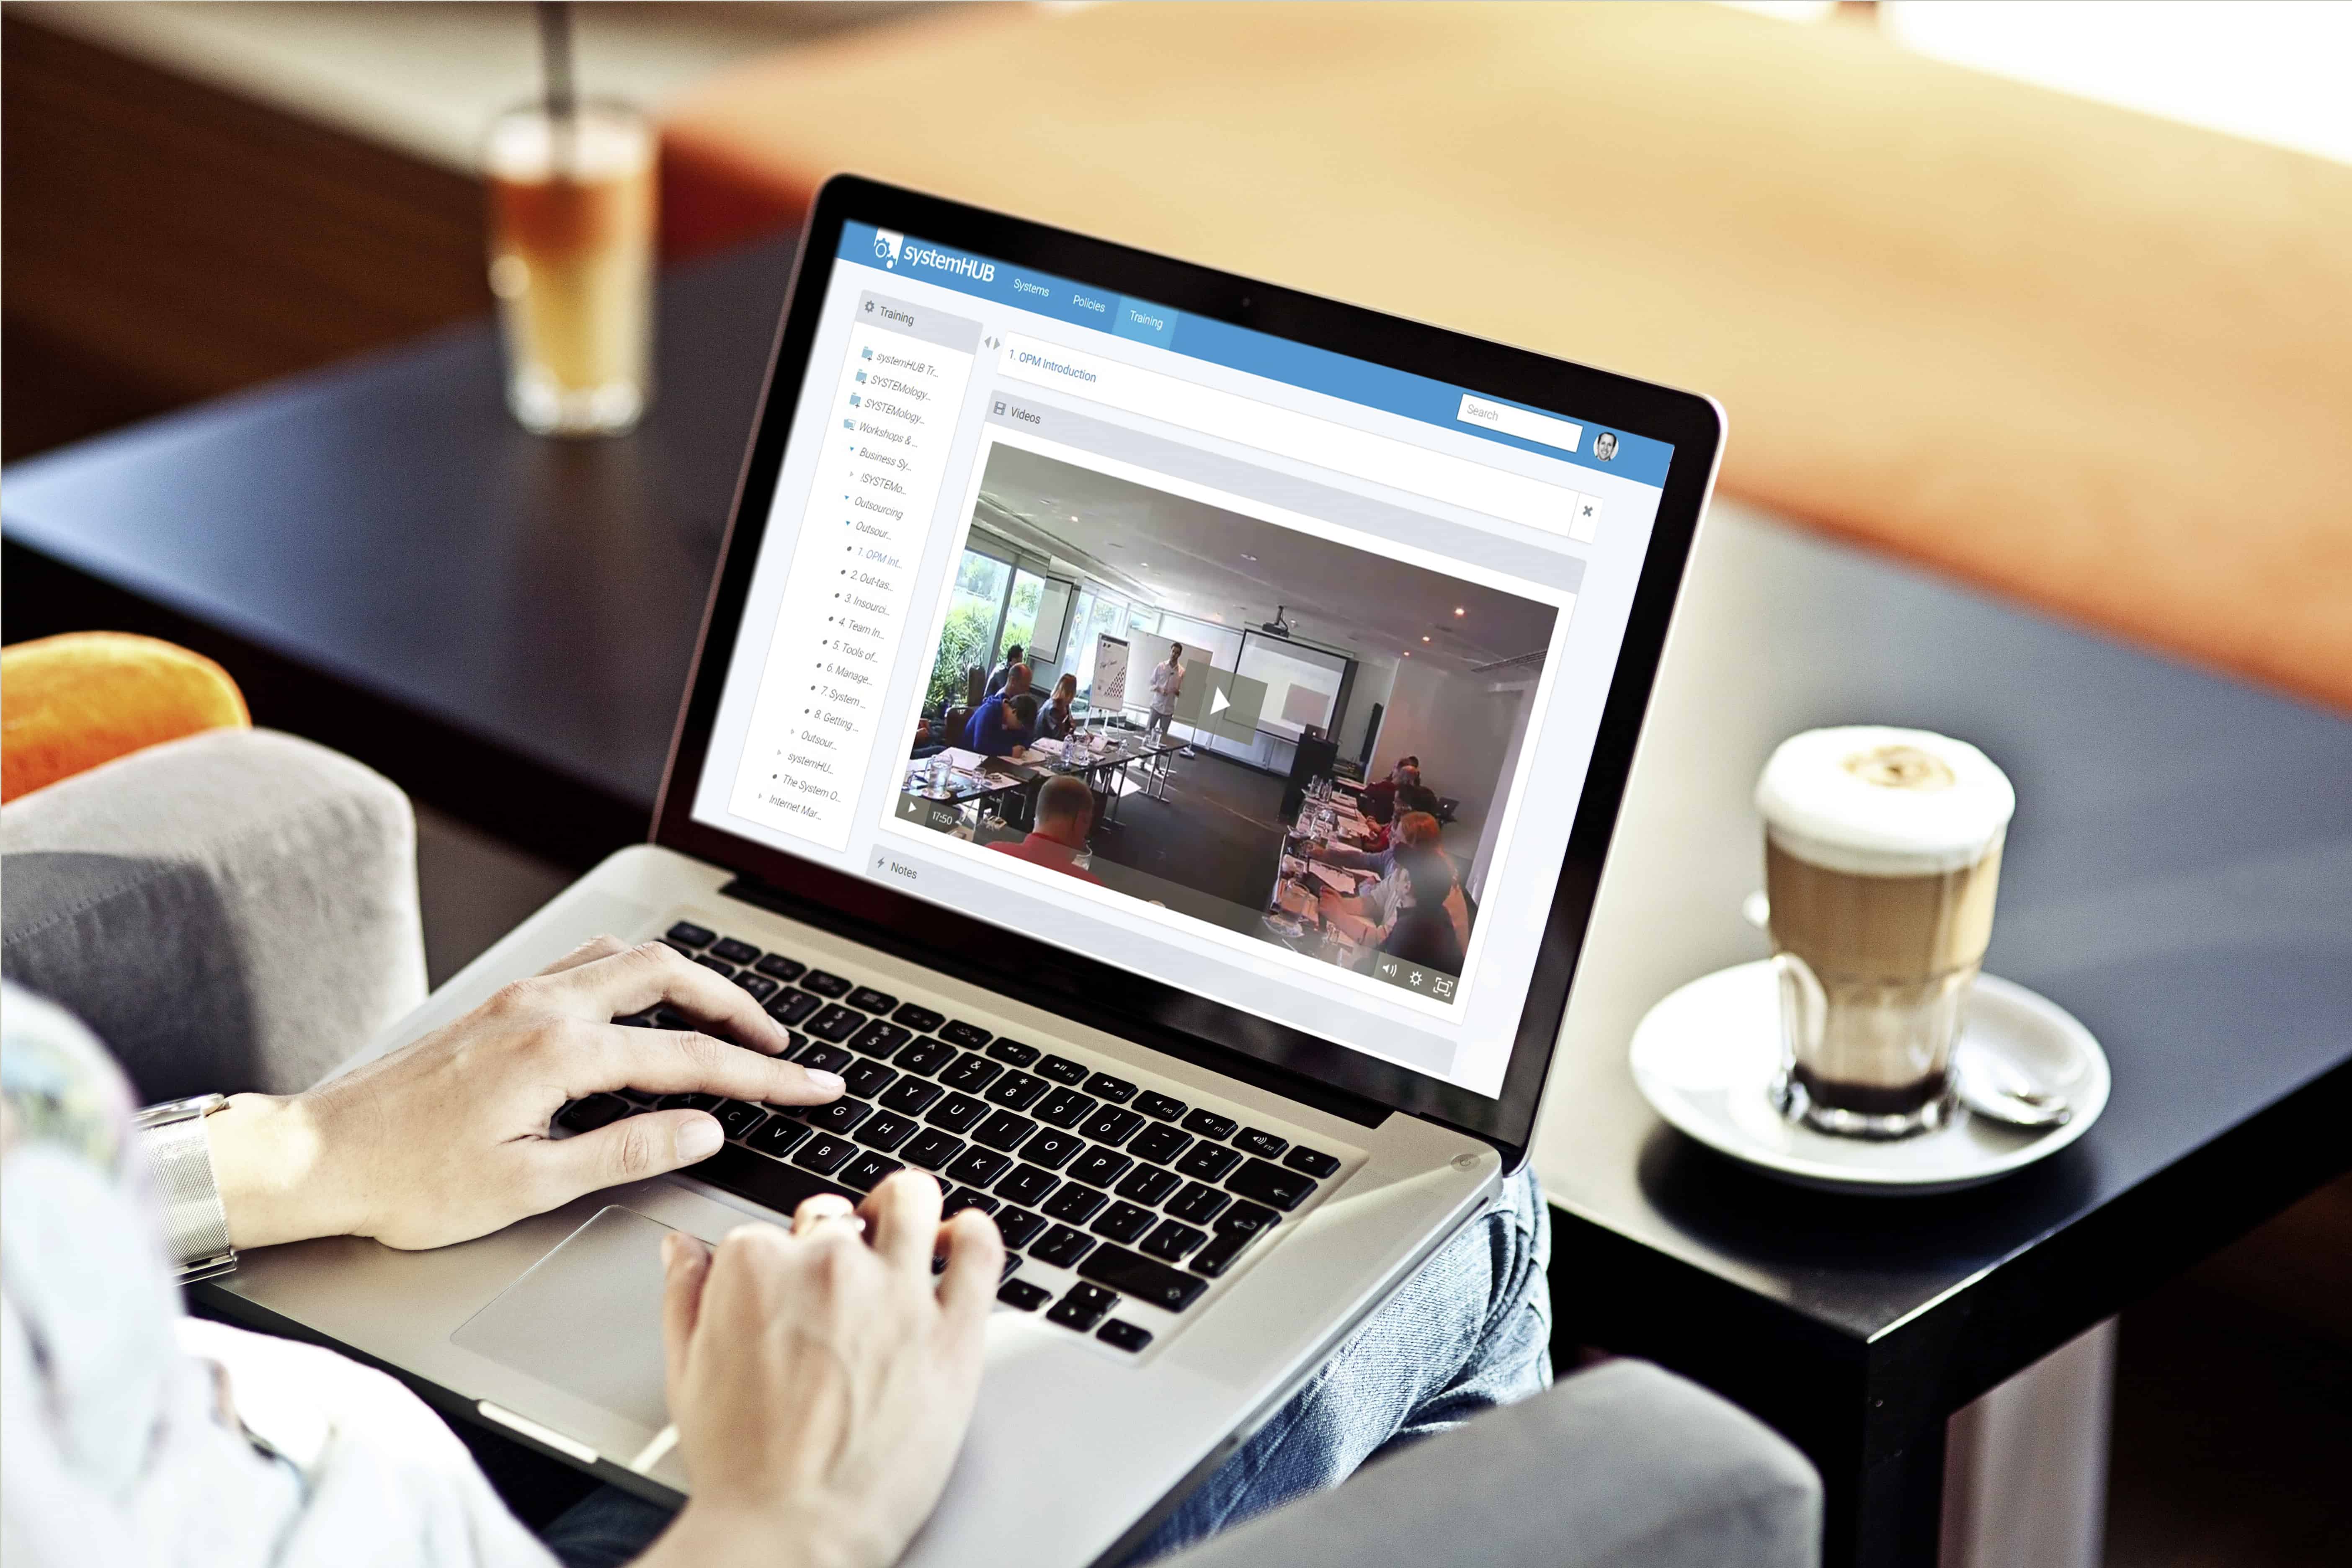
(1218, 701)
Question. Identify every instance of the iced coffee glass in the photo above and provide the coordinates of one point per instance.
(572, 262)
(1882, 855)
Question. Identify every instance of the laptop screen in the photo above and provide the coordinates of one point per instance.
(1235, 663)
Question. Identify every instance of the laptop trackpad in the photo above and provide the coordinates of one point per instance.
(586, 1319)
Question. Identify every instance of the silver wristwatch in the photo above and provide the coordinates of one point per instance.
(180, 1156)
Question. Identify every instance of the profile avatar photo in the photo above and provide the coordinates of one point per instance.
(1605, 446)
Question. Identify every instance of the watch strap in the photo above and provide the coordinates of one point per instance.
(179, 1155)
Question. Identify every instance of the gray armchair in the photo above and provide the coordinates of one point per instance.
(238, 911)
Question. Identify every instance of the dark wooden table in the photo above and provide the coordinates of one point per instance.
(502, 624)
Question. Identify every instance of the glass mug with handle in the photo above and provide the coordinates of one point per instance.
(1882, 859)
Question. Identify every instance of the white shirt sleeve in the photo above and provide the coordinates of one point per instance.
(134, 1435)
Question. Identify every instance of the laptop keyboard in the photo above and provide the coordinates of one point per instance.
(1120, 1203)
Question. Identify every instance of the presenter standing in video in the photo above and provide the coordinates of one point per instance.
(1167, 681)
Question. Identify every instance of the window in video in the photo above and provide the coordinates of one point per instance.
(1279, 734)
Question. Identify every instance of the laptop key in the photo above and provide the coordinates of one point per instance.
(1172, 1240)
(1013, 1052)
(920, 1019)
(665, 1016)
(1207, 1161)
(691, 934)
(836, 1023)
(1265, 1145)
(978, 1167)
(1146, 1184)
(1051, 1148)
(793, 1006)
(1012, 1262)
(868, 1172)
(1209, 1124)
(1003, 1131)
(1124, 1222)
(1062, 1070)
(911, 1096)
(1119, 1331)
(759, 986)
(964, 1198)
(925, 1056)
(841, 1116)
(1246, 1219)
(1018, 1225)
(734, 950)
(884, 1130)
(1160, 1144)
(1082, 1307)
(867, 1078)
(1065, 1108)
(776, 1137)
(1117, 1090)
(596, 1111)
(1062, 1246)
(824, 1154)
(958, 1113)
(1021, 1294)
(1158, 1106)
(1312, 1160)
(971, 1037)
(1016, 1090)
(824, 984)
(1111, 1125)
(1132, 1274)
(1076, 1203)
(725, 971)
(1218, 1256)
(1028, 1184)
(779, 967)
(1198, 1204)
(1100, 1167)
(1270, 1184)
(878, 1039)
(690, 1102)
(738, 1118)
(971, 1073)
(932, 1149)
(866, 999)
(826, 1059)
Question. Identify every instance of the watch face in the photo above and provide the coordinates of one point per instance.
(179, 1110)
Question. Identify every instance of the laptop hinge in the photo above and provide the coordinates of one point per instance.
(1295, 1086)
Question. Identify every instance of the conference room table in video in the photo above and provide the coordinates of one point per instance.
(1106, 759)
(1295, 916)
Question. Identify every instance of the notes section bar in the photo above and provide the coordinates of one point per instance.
(862, 534)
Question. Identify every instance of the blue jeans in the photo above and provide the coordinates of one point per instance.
(1470, 1329)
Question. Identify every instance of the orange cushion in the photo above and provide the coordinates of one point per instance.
(69, 703)
(2088, 357)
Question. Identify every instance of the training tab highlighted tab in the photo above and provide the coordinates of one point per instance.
(1145, 324)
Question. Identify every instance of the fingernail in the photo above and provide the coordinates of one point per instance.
(699, 1139)
(669, 1252)
(824, 1079)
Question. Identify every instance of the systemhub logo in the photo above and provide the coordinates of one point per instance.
(890, 249)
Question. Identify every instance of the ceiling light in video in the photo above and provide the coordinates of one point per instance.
(1458, 609)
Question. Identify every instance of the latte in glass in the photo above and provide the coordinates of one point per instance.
(1882, 856)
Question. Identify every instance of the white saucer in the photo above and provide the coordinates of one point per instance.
(1705, 1058)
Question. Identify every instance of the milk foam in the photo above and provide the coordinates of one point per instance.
(602, 145)
(1872, 801)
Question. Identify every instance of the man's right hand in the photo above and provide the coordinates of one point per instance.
(820, 1379)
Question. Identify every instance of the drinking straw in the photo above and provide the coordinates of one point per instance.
(555, 74)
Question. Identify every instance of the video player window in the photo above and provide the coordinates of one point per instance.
(1275, 732)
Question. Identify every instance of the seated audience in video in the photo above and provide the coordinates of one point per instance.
(1277, 734)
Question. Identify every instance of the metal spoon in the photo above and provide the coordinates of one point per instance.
(1996, 1089)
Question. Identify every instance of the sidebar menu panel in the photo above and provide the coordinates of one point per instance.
(845, 607)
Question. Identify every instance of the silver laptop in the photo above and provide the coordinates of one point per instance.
(1127, 968)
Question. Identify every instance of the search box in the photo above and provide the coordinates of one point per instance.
(1304, 437)
(1523, 422)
